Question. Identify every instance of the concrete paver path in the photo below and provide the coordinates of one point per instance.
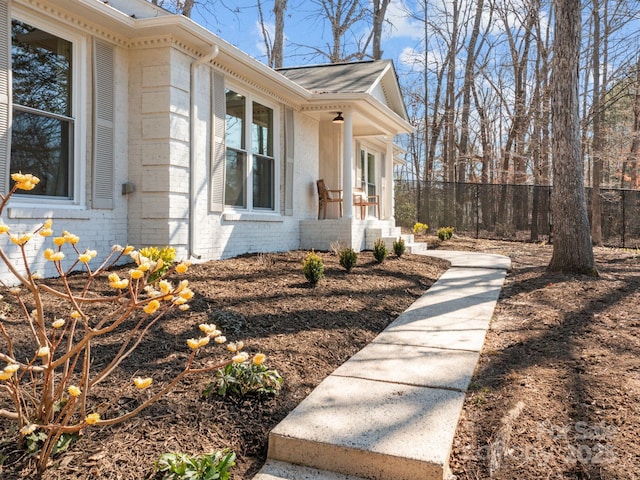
(391, 411)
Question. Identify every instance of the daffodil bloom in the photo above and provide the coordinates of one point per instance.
(240, 357)
(259, 358)
(59, 241)
(14, 290)
(4, 228)
(92, 418)
(75, 314)
(21, 239)
(5, 375)
(165, 287)
(136, 274)
(58, 323)
(12, 368)
(28, 429)
(151, 307)
(127, 250)
(25, 181)
(221, 339)
(142, 383)
(182, 267)
(43, 352)
(45, 232)
(74, 391)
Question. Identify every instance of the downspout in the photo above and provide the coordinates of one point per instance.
(192, 151)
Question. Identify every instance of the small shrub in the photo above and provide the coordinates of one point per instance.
(212, 466)
(243, 377)
(313, 268)
(380, 251)
(399, 247)
(164, 256)
(348, 258)
(420, 228)
(445, 233)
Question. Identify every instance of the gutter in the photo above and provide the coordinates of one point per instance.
(192, 151)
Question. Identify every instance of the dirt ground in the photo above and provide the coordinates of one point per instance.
(555, 394)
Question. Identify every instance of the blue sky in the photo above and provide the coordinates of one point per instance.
(303, 27)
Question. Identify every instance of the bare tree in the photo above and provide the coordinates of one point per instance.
(572, 249)
(274, 47)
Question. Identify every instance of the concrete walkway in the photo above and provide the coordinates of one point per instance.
(391, 411)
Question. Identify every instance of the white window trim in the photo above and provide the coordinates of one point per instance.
(368, 148)
(249, 99)
(78, 112)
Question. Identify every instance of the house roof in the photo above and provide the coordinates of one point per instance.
(374, 77)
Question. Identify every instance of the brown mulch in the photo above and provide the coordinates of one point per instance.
(555, 393)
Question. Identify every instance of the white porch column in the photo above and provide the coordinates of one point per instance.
(389, 197)
(347, 165)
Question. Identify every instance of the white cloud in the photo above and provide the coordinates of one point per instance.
(400, 24)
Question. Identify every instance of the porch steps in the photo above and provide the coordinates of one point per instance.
(391, 235)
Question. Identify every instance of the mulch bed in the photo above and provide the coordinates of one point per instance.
(306, 333)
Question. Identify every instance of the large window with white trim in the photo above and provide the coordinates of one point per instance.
(43, 124)
(250, 168)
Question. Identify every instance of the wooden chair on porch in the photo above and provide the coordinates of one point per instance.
(325, 197)
(364, 201)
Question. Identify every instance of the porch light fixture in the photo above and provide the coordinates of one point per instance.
(339, 118)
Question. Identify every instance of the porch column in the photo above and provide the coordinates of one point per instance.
(347, 165)
(389, 197)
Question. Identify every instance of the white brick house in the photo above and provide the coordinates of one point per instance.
(147, 129)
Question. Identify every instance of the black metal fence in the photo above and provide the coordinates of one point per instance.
(509, 212)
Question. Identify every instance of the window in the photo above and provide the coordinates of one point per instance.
(42, 141)
(249, 172)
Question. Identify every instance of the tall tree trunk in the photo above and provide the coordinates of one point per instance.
(596, 144)
(572, 248)
(279, 10)
(379, 13)
(630, 165)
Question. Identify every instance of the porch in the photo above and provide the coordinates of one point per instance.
(353, 232)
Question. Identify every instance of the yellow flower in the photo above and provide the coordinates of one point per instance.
(84, 258)
(259, 358)
(25, 181)
(75, 314)
(5, 375)
(127, 250)
(22, 239)
(209, 329)
(195, 343)
(144, 266)
(45, 232)
(240, 357)
(47, 223)
(121, 284)
(183, 308)
(179, 301)
(52, 255)
(187, 294)
(183, 267)
(113, 277)
(4, 228)
(12, 368)
(14, 290)
(70, 237)
(58, 323)
(151, 307)
(136, 274)
(165, 287)
(142, 383)
(220, 339)
(36, 276)
(59, 241)
(43, 352)
(92, 418)
(74, 391)
(28, 429)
